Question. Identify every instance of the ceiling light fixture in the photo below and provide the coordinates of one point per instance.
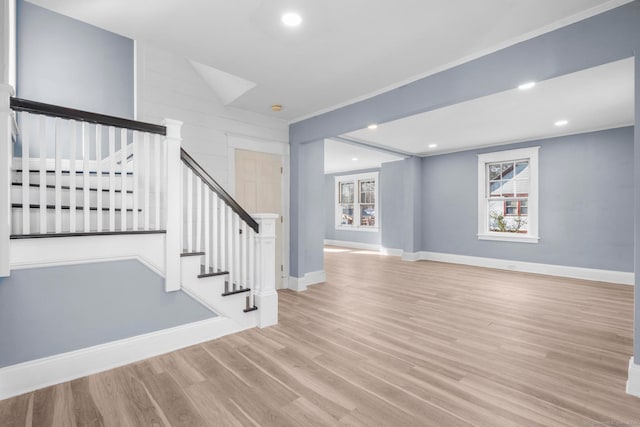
(291, 19)
(527, 86)
(372, 126)
(355, 159)
(433, 145)
(562, 122)
(276, 107)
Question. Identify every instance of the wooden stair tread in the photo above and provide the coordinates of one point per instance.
(65, 207)
(238, 291)
(67, 187)
(78, 172)
(81, 234)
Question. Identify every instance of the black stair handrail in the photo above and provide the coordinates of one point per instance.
(216, 188)
(34, 107)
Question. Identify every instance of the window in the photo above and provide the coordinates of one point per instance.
(356, 201)
(508, 195)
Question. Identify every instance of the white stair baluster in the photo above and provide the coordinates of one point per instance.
(157, 148)
(123, 179)
(99, 194)
(189, 210)
(136, 178)
(73, 155)
(215, 235)
(222, 227)
(251, 264)
(230, 242)
(86, 178)
(58, 175)
(243, 253)
(112, 179)
(43, 174)
(26, 187)
(236, 249)
(147, 178)
(207, 236)
(198, 214)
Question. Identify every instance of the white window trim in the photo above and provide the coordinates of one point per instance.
(530, 153)
(338, 210)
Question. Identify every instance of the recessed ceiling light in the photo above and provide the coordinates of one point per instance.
(527, 86)
(433, 145)
(372, 126)
(562, 122)
(355, 159)
(291, 19)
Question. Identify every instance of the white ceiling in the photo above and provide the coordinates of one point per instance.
(339, 157)
(598, 98)
(342, 52)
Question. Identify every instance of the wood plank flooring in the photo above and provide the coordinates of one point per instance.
(383, 343)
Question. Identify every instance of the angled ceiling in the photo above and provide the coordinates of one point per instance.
(342, 52)
(593, 99)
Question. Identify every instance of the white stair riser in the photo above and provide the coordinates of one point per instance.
(34, 178)
(34, 214)
(34, 197)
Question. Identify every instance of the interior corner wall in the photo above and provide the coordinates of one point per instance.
(636, 192)
(356, 236)
(307, 208)
(168, 87)
(67, 62)
(585, 217)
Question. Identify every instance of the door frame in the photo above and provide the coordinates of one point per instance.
(236, 141)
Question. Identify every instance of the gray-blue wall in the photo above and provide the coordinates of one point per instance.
(392, 199)
(48, 311)
(368, 237)
(585, 205)
(70, 63)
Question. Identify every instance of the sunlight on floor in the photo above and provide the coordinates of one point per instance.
(335, 250)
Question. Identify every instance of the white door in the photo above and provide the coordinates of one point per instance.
(258, 183)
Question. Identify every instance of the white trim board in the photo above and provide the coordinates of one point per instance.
(633, 381)
(621, 277)
(300, 284)
(353, 245)
(36, 374)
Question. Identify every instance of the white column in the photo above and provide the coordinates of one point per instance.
(6, 147)
(266, 297)
(173, 205)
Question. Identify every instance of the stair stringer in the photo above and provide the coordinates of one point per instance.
(208, 291)
(47, 251)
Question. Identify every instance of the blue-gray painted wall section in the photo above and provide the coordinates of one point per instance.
(70, 63)
(392, 199)
(53, 310)
(586, 209)
(636, 192)
(368, 237)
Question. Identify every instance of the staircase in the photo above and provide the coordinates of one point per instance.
(83, 186)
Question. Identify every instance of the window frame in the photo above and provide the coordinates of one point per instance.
(356, 179)
(532, 235)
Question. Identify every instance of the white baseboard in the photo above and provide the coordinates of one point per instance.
(353, 245)
(621, 277)
(36, 374)
(301, 283)
(391, 251)
(633, 381)
(411, 256)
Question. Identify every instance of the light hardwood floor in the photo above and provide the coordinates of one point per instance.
(383, 342)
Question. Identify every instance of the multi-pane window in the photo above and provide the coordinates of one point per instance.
(357, 201)
(507, 199)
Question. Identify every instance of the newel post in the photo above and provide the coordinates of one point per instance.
(6, 149)
(173, 205)
(266, 296)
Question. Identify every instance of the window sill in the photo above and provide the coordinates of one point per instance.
(508, 237)
(366, 229)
